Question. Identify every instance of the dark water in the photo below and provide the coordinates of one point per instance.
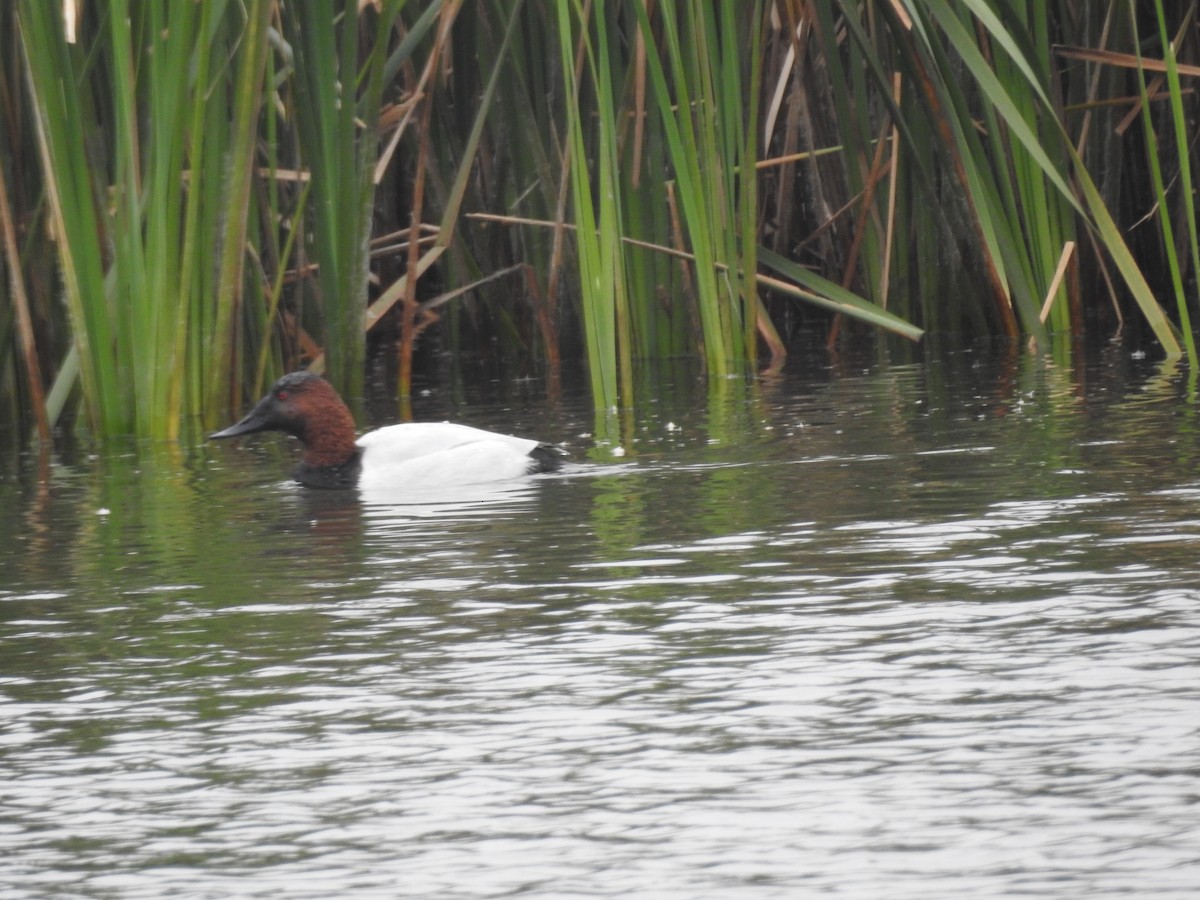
(902, 631)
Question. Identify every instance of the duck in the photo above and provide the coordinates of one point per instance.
(416, 454)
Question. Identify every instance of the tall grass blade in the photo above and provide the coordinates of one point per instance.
(248, 87)
(337, 112)
(24, 320)
(1179, 124)
(597, 235)
(820, 291)
(62, 138)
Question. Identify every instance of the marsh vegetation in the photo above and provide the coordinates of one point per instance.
(196, 197)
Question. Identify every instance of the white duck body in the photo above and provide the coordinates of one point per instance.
(434, 454)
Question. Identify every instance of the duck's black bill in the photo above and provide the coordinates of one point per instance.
(254, 422)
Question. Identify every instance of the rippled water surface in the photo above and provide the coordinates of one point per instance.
(906, 631)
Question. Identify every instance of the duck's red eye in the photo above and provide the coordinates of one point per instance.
(281, 395)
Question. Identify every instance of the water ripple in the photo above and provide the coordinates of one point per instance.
(883, 654)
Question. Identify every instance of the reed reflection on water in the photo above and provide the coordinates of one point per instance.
(920, 631)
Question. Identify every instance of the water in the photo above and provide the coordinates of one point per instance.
(908, 631)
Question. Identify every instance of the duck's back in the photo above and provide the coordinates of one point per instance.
(431, 454)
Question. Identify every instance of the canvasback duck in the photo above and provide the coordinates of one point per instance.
(422, 454)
